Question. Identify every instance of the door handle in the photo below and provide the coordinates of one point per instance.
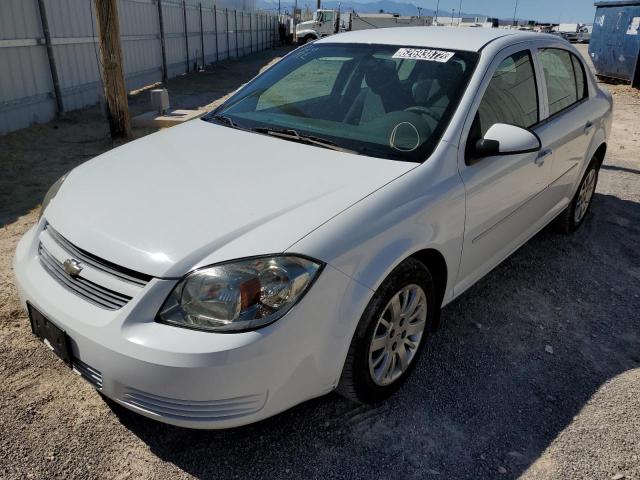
(542, 157)
(587, 128)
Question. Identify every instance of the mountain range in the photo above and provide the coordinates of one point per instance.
(387, 6)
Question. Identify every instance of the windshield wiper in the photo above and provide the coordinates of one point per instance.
(226, 120)
(292, 135)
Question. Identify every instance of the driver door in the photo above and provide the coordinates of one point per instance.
(504, 193)
(327, 26)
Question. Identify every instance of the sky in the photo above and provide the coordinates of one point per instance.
(557, 11)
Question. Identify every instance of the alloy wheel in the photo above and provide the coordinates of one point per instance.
(397, 335)
(585, 195)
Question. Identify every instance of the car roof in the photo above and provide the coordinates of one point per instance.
(449, 38)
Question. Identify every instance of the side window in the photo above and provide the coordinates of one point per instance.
(511, 97)
(405, 68)
(562, 86)
(328, 17)
(581, 82)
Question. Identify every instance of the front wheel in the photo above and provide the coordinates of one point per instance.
(573, 216)
(391, 334)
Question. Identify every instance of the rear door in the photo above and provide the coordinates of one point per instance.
(504, 194)
(568, 128)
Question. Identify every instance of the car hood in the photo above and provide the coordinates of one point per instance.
(304, 25)
(201, 193)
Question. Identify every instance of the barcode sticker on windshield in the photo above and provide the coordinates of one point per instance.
(424, 54)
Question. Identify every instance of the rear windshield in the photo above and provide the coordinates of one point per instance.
(376, 100)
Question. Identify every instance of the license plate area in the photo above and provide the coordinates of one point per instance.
(52, 335)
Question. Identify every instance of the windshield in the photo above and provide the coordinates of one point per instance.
(376, 100)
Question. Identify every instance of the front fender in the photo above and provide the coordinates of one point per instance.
(307, 33)
(423, 209)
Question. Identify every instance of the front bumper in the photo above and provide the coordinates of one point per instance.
(199, 379)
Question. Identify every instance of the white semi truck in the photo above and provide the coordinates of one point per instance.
(328, 22)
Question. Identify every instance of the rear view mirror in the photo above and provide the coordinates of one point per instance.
(504, 139)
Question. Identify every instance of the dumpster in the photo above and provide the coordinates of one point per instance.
(615, 41)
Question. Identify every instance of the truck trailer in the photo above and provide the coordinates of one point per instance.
(329, 22)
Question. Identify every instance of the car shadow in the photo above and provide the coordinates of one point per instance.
(517, 357)
(32, 159)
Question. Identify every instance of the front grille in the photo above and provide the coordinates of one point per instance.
(90, 374)
(90, 291)
(99, 282)
(117, 271)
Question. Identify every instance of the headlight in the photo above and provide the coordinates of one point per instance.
(51, 193)
(238, 296)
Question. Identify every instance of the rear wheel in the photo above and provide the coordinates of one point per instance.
(391, 334)
(573, 216)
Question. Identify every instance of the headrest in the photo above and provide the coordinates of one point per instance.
(450, 75)
(452, 70)
(381, 75)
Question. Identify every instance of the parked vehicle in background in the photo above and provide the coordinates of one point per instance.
(303, 237)
(575, 32)
(323, 23)
(329, 22)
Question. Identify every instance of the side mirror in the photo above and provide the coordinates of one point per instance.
(504, 139)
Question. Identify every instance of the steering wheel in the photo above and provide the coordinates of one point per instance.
(422, 110)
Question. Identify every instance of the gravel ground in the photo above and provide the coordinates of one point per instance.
(534, 374)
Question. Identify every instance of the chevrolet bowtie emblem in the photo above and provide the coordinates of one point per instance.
(72, 267)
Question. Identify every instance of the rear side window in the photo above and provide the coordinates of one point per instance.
(511, 97)
(581, 82)
(565, 78)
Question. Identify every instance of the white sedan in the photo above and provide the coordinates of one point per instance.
(303, 237)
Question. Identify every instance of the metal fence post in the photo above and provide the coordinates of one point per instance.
(235, 23)
(226, 16)
(215, 31)
(250, 33)
(52, 61)
(162, 44)
(186, 33)
(201, 36)
(244, 50)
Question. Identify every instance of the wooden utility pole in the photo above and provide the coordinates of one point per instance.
(115, 91)
(163, 46)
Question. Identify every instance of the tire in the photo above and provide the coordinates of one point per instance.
(575, 213)
(360, 380)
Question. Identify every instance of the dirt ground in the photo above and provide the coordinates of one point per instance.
(487, 400)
